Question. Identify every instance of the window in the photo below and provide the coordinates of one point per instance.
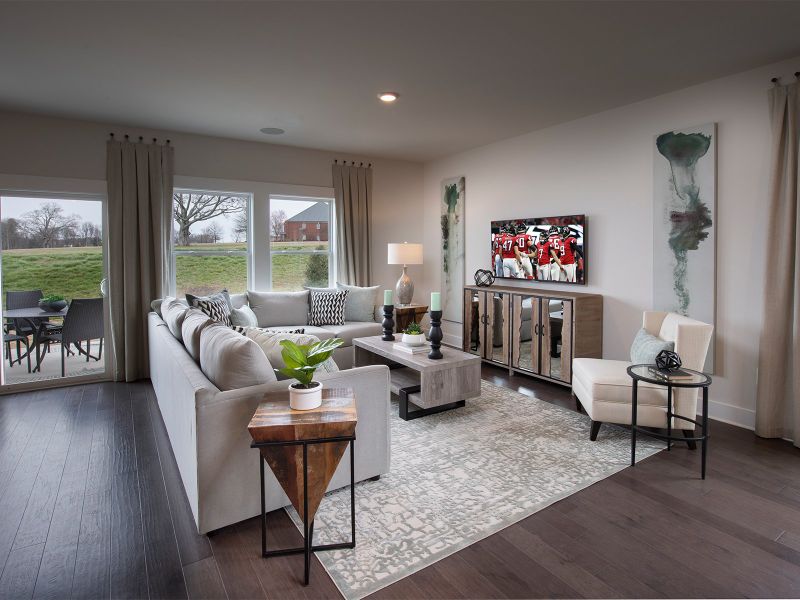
(210, 241)
(298, 259)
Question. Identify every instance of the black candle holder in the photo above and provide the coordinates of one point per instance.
(435, 335)
(388, 323)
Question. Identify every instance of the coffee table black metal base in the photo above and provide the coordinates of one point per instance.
(407, 415)
(308, 527)
(669, 438)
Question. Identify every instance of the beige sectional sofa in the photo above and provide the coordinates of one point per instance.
(207, 426)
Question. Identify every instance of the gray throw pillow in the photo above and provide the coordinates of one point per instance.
(275, 309)
(646, 347)
(360, 303)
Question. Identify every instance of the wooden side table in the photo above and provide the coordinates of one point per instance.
(406, 314)
(303, 449)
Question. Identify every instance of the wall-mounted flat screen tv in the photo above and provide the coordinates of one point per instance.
(542, 249)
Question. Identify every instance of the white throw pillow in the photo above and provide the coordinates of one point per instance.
(193, 324)
(173, 312)
(270, 343)
(243, 317)
(232, 361)
(275, 309)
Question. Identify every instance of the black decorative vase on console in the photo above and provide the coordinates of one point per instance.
(388, 323)
(435, 334)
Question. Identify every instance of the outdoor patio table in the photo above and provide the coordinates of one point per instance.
(30, 315)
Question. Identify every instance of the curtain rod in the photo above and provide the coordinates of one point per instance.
(141, 139)
(777, 80)
(344, 162)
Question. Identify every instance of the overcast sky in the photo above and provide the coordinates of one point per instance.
(91, 210)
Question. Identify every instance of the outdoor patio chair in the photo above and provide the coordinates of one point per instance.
(82, 323)
(20, 340)
(27, 299)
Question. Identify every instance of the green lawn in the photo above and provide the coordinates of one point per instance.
(77, 272)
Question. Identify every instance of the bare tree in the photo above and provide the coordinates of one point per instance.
(212, 233)
(189, 208)
(11, 232)
(276, 220)
(240, 227)
(48, 223)
(89, 233)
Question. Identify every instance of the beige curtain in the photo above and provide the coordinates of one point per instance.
(778, 396)
(139, 223)
(353, 190)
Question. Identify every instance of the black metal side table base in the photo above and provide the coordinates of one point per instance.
(408, 415)
(308, 527)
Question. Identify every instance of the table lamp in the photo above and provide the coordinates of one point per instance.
(405, 254)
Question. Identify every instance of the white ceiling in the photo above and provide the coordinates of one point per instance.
(468, 73)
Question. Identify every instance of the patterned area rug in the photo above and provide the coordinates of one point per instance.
(460, 476)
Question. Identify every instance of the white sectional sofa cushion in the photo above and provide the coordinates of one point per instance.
(174, 312)
(232, 361)
(193, 323)
(361, 302)
(349, 331)
(279, 308)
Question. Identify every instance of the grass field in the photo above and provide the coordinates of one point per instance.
(77, 272)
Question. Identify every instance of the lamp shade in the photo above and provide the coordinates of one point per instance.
(405, 254)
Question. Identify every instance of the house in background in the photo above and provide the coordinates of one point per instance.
(309, 225)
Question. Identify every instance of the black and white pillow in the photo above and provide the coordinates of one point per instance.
(243, 330)
(327, 307)
(217, 309)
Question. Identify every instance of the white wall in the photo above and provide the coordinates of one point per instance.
(602, 166)
(53, 147)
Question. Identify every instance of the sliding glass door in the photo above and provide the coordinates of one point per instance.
(53, 287)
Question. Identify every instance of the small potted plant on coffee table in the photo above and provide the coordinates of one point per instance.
(413, 336)
(301, 361)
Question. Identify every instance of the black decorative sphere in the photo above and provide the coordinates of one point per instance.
(668, 360)
(484, 278)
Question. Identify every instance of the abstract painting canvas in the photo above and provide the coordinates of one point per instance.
(684, 271)
(452, 224)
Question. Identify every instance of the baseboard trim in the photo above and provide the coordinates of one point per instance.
(730, 414)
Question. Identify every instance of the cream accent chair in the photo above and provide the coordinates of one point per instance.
(603, 387)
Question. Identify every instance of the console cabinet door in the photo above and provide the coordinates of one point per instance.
(525, 333)
(496, 341)
(556, 338)
(474, 322)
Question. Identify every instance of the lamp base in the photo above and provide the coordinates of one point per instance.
(405, 288)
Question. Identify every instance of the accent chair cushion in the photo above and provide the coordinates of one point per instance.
(275, 309)
(173, 312)
(193, 324)
(244, 317)
(327, 307)
(361, 302)
(646, 347)
(608, 381)
(232, 361)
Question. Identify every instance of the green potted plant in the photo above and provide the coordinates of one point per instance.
(52, 303)
(413, 336)
(301, 361)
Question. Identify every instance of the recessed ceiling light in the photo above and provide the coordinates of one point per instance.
(272, 130)
(388, 96)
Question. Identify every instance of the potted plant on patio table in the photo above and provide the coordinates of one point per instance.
(301, 361)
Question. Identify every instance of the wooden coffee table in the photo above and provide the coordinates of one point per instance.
(432, 385)
(303, 449)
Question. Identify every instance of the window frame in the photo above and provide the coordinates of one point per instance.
(248, 252)
(331, 252)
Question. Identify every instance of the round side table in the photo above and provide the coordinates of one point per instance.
(698, 380)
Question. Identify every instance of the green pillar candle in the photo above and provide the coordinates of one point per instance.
(436, 301)
(387, 298)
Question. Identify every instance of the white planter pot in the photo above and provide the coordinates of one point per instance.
(305, 399)
(417, 339)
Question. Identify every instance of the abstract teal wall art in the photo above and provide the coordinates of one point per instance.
(452, 225)
(684, 266)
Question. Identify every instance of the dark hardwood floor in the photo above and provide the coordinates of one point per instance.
(91, 506)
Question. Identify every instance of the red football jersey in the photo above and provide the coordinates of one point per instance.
(543, 253)
(555, 242)
(507, 246)
(566, 255)
(523, 242)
